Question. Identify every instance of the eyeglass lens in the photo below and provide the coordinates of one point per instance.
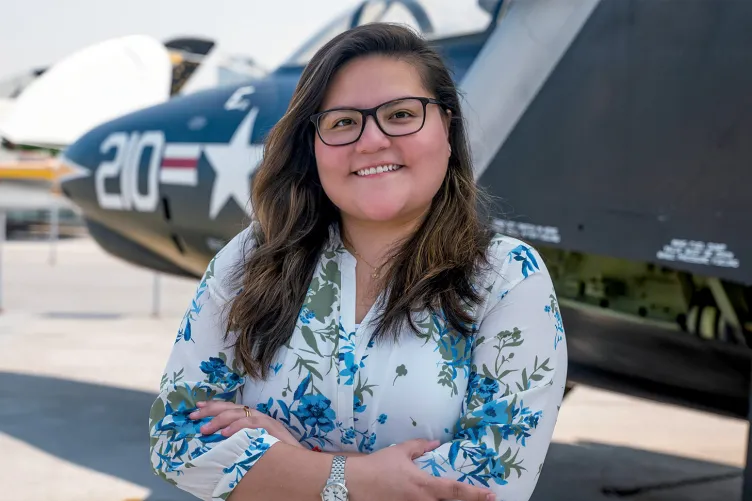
(396, 118)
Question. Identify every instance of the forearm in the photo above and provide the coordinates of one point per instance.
(285, 472)
(347, 454)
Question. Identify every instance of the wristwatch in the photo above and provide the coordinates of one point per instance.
(335, 489)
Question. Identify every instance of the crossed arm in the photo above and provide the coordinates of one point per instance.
(515, 386)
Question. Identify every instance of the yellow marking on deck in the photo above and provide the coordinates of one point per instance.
(46, 170)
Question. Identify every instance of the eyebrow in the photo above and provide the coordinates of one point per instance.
(344, 107)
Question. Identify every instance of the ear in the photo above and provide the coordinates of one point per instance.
(446, 120)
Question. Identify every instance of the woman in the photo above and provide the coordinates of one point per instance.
(367, 337)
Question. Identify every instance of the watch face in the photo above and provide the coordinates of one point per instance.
(334, 492)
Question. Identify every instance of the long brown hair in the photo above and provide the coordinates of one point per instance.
(432, 269)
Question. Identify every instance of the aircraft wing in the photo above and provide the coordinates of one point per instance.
(92, 86)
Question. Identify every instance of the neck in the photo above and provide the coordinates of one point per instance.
(375, 240)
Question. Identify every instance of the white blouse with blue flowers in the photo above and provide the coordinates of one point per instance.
(492, 399)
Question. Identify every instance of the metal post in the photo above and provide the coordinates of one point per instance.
(3, 223)
(156, 294)
(54, 232)
(747, 482)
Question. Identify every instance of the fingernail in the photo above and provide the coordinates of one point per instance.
(490, 497)
(200, 404)
(192, 415)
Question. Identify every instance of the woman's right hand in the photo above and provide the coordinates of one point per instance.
(391, 474)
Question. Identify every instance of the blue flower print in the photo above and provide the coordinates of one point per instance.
(498, 471)
(306, 315)
(265, 407)
(351, 368)
(177, 421)
(218, 373)
(553, 311)
(487, 389)
(358, 406)
(312, 418)
(346, 356)
(338, 388)
(315, 410)
(487, 467)
(523, 254)
(196, 306)
(348, 435)
(367, 438)
(182, 430)
(456, 352)
(533, 419)
(494, 412)
(185, 333)
(255, 450)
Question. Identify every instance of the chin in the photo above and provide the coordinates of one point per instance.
(382, 212)
(389, 212)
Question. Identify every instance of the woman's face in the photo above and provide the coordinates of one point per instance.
(395, 195)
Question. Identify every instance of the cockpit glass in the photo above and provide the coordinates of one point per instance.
(434, 18)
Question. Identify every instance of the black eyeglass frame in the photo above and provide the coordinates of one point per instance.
(371, 112)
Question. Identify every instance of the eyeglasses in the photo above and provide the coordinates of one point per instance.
(400, 117)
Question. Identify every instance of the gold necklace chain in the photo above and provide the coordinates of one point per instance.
(376, 269)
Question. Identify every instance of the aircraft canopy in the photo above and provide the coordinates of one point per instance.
(433, 18)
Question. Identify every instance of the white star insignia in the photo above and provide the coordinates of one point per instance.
(233, 164)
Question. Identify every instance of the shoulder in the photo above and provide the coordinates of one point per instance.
(512, 261)
(225, 268)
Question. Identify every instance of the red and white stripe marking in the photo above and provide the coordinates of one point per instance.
(180, 164)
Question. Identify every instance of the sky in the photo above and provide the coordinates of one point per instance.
(39, 32)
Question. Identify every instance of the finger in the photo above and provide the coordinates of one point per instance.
(211, 408)
(444, 488)
(240, 424)
(414, 447)
(222, 419)
(433, 444)
(417, 447)
(257, 422)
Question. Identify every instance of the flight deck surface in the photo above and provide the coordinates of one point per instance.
(81, 358)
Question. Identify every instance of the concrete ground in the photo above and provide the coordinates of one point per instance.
(81, 357)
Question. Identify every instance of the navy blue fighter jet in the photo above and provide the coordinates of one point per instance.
(616, 132)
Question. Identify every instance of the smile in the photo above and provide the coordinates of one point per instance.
(370, 171)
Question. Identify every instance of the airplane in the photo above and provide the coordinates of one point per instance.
(101, 81)
(613, 133)
(49, 108)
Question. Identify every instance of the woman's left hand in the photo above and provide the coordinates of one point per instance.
(231, 418)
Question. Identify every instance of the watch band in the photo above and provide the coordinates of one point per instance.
(338, 470)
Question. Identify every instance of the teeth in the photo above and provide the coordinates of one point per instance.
(378, 170)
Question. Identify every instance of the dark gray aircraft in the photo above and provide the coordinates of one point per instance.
(615, 133)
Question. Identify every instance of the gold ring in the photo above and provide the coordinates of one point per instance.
(247, 411)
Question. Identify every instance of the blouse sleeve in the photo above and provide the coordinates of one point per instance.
(202, 367)
(515, 388)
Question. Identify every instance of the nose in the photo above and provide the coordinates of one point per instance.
(372, 139)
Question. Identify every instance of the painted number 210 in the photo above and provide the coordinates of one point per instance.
(129, 149)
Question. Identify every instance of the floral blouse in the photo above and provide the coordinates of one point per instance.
(492, 399)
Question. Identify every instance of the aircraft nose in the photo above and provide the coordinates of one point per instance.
(66, 176)
(74, 172)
